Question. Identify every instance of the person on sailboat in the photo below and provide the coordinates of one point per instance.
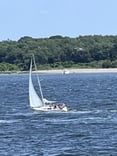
(61, 106)
(54, 107)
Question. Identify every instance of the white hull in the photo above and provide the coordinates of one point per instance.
(48, 109)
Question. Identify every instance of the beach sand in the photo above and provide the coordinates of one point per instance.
(68, 71)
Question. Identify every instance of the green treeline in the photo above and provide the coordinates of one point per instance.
(59, 52)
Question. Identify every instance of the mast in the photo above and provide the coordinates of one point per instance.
(38, 82)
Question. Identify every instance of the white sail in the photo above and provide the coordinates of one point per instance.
(34, 99)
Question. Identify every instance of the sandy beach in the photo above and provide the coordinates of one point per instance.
(68, 71)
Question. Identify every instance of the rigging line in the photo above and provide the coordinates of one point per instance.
(38, 80)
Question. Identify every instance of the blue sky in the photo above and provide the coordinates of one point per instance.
(45, 18)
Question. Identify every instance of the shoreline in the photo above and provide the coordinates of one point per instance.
(66, 71)
(71, 71)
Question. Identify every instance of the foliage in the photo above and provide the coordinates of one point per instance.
(59, 52)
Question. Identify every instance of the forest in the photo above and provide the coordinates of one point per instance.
(58, 52)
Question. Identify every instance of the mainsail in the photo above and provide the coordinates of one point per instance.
(34, 99)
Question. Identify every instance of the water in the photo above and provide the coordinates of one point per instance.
(88, 129)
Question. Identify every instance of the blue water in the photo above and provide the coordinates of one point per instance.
(88, 129)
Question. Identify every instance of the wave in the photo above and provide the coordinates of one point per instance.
(8, 121)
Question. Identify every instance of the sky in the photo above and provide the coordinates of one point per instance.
(45, 18)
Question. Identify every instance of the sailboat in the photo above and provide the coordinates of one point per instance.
(40, 103)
